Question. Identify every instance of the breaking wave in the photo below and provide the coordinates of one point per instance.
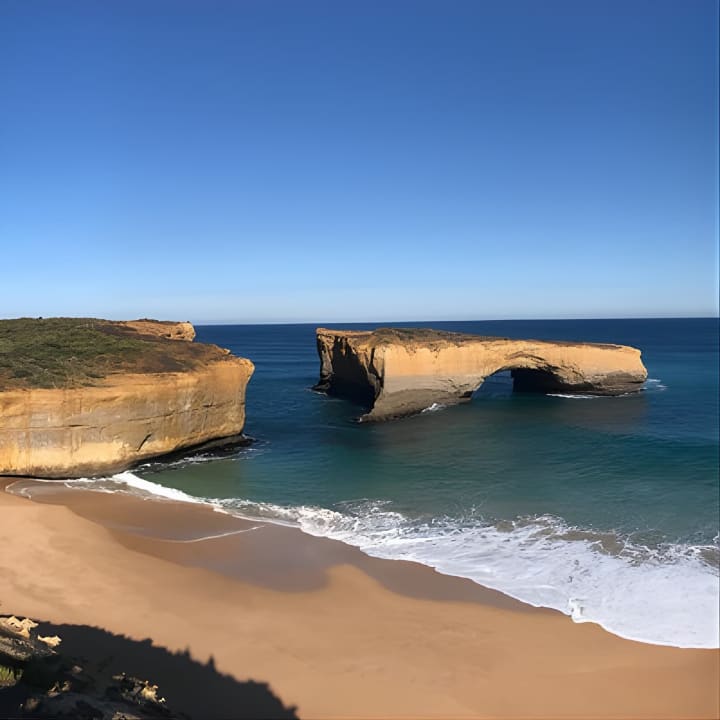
(666, 594)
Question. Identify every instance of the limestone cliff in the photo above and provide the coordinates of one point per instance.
(162, 328)
(126, 394)
(395, 372)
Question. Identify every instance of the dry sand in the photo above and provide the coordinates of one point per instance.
(330, 631)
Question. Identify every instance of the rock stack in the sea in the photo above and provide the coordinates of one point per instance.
(396, 372)
(84, 397)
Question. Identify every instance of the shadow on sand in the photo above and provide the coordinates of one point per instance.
(192, 689)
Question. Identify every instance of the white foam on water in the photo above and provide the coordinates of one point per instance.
(665, 596)
(140, 486)
(433, 408)
(216, 536)
(650, 385)
(654, 385)
(126, 482)
(240, 453)
(572, 397)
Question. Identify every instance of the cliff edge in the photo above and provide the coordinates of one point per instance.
(397, 372)
(82, 397)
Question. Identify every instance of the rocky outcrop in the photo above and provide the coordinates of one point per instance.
(189, 397)
(162, 328)
(44, 684)
(395, 372)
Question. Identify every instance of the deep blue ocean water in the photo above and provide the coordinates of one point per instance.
(605, 508)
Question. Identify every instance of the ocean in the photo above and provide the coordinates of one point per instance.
(605, 508)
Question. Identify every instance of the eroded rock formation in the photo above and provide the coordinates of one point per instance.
(395, 372)
(163, 328)
(162, 397)
(44, 684)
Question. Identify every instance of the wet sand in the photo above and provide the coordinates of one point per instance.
(333, 632)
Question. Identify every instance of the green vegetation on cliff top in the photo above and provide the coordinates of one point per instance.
(72, 352)
(428, 337)
(422, 335)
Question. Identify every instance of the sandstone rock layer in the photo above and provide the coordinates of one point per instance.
(394, 372)
(126, 417)
(162, 328)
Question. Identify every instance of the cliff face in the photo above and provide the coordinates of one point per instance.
(401, 372)
(125, 417)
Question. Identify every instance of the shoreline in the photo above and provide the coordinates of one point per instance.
(333, 631)
(516, 562)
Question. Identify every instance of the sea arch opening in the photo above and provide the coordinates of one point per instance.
(508, 380)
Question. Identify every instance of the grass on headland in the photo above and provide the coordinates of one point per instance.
(72, 352)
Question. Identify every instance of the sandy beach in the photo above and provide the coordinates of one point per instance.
(263, 620)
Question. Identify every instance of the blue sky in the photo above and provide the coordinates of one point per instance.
(339, 161)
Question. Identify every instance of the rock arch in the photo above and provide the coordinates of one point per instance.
(397, 372)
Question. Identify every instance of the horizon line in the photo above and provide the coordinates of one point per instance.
(395, 322)
(322, 323)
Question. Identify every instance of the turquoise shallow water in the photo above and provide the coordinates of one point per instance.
(604, 508)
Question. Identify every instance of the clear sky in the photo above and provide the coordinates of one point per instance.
(293, 160)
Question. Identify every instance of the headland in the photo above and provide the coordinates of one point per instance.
(82, 397)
